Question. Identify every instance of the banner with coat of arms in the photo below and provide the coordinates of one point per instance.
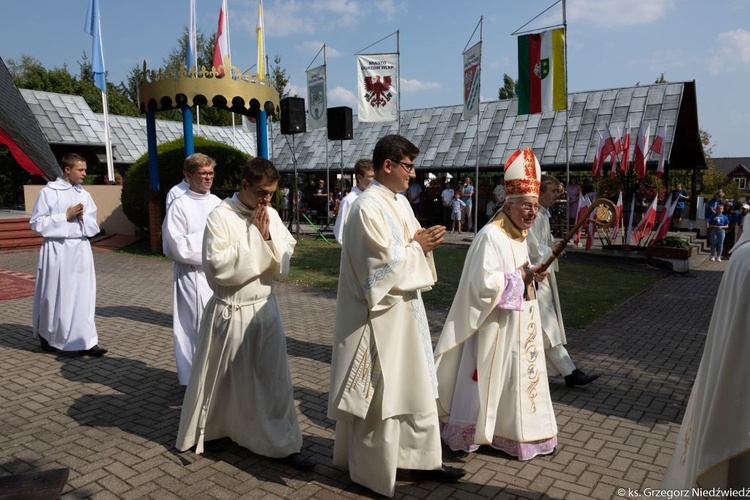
(316, 98)
(377, 87)
(472, 72)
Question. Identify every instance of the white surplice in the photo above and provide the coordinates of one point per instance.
(713, 445)
(177, 190)
(182, 241)
(540, 243)
(343, 213)
(240, 386)
(383, 384)
(493, 387)
(65, 291)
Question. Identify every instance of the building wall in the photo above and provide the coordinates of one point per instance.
(109, 213)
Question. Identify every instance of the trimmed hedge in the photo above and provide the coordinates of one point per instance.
(136, 190)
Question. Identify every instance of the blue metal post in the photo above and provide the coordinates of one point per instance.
(262, 133)
(187, 129)
(153, 159)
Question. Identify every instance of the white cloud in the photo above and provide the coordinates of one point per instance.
(615, 13)
(340, 96)
(312, 47)
(417, 85)
(733, 51)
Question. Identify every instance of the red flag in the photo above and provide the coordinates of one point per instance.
(641, 150)
(647, 223)
(221, 50)
(605, 147)
(666, 219)
(659, 147)
(596, 166)
(625, 150)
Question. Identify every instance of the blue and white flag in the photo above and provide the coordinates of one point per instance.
(93, 27)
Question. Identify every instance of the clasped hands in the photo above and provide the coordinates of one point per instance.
(74, 212)
(429, 238)
(261, 220)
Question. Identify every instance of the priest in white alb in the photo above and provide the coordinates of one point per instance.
(64, 214)
(541, 244)
(240, 386)
(383, 384)
(182, 241)
(363, 175)
(713, 446)
(492, 378)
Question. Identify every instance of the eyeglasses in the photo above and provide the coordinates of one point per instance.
(528, 207)
(205, 175)
(409, 167)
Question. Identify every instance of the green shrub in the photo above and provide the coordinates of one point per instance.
(673, 241)
(136, 189)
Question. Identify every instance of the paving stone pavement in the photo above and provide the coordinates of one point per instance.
(112, 421)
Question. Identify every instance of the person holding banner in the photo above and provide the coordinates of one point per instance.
(383, 384)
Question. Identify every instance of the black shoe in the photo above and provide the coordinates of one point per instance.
(444, 474)
(578, 378)
(299, 463)
(45, 345)
(95, 352)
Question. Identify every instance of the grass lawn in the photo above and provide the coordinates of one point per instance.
(316, 263)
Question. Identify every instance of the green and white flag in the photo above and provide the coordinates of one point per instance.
(316, 97)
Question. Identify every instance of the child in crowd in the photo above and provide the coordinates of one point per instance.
(457, 207)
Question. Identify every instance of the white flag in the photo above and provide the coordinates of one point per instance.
(472, 72)
(316, 97)
(377, 87)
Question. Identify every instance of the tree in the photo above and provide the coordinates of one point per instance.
(509, 88)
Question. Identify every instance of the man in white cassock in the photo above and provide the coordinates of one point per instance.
(363, 175)
(177, 190)
(383, 384)
(492, 379)
(713, 445)
(64, 214)
(240, 386)
(540, 242)
(182, 241)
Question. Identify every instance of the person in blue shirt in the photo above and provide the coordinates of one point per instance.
(718, 227)
(715, 201)
(680, 195)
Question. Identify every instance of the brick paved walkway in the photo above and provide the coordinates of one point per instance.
(112, 421)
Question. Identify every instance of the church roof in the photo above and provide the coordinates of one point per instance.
(447, 143)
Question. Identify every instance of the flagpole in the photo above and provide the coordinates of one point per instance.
(567, 115)
(108, 140)
(398, 77)
(479, 104)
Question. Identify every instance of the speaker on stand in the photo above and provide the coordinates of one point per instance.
(293, 121)
(340, 128)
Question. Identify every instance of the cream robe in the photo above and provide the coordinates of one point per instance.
(540, 242)
(182, 240)
(490, 361)
(65, 291)
(382, 370)
(713, 446)
(240, 386)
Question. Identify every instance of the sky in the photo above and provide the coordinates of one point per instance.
(611, 44)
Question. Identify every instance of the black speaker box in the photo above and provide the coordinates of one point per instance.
(340, 124)
(293, 115)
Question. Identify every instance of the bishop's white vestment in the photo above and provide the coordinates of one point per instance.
(383, 385)
(182, 241)
(490, 362)
(540, 243)
(240, 386)
(65, 291)
(713, 446)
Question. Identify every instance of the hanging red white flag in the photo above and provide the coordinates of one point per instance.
(647, 223)
(583, 205)
(659, 147)
(629, 232)
(221, 51)
(666, 220)
(618, 216)
(377, 87)
(625, 151)
(641, 150)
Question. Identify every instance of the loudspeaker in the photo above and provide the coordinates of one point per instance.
(340, 124)
(293, 115)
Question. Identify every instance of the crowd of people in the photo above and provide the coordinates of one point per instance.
(485, 383)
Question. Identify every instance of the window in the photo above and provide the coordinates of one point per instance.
(741, 182)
